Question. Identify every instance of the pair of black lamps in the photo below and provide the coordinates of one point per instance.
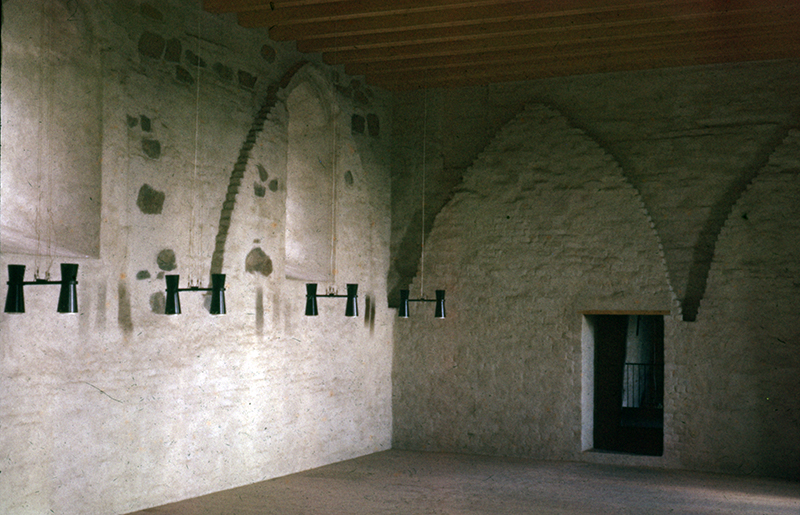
(67, 297)
(173, 304)
(438, 311)
(351, 305)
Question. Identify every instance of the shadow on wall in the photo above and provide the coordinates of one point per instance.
(704, 249)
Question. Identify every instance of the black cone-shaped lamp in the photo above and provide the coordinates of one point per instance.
(217, 294)
(15, 299)
(173, 306)
(439, 310)
(403, 311)
(351, 309)
(68, 296)
(311, 300)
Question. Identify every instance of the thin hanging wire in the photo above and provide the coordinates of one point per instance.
(194, 272)
(44, 134)
(424, 156)
(335, 159)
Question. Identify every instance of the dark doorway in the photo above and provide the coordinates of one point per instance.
(629, 383)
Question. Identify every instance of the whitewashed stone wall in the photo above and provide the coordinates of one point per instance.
(120, 407)
(532, 236)
(543, 228)
(736, 369)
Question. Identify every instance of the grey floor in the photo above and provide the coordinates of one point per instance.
(401, 482)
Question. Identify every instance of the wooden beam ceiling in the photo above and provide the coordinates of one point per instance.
(406, 44)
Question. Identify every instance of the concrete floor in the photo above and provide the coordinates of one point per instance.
(401, 482)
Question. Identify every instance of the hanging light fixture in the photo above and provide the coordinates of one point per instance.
(351, 304)
(217, 290)
(67, 298)
(438, 311)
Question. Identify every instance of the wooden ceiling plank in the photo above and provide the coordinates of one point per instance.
(236, 6)
(399, 21)
(784, 40)
(483, 35)
(571, 35)
(404, 21)
(559, 68)
(343, 10)
(519, 11)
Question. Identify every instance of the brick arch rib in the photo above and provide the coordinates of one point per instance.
(218, 257)
(705, 248)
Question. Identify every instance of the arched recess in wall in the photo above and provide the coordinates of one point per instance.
(309, 179)
(51, 131)
(544, 228)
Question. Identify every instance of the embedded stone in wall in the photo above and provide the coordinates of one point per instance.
(268, 53)
(143, 274)
(259, 189)
(150, 201)
(357, 124)
(373, 125)
(258, 261)
(145, 123)
(348, 178)
(131, 121)
(262, 173)
(172, 54)
(194, 59)
(247, 80)
(166, 260)
(151, 148)
(151, 45)
(148, 11)
(360, 97)
(225, 73)
(183, 75)
(273, 185)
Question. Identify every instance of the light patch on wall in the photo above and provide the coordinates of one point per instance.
(51, 134)
(309, 196)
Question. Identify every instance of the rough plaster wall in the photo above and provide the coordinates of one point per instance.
(54, 68)
(121, 407)
(690, 140)
(737, 408)
(543, 227)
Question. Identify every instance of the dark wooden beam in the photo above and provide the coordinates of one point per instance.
(499, 36)
(556, 38)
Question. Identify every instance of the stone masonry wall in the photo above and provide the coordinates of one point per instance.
(120, 407)
(543, 227)
(710, 153)
(736, 368)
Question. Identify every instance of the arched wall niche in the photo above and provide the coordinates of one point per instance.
(51, 131)
(309, 178)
